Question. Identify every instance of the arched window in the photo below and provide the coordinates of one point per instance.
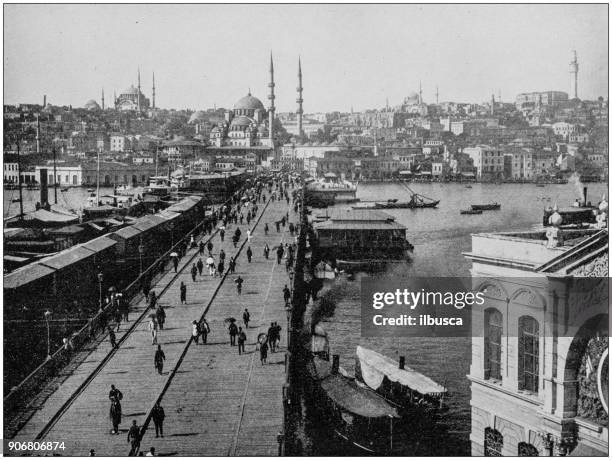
(528, 354)
(493, 443)
(527, 450)
(493, 335)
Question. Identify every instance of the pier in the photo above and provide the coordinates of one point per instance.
(216, 401)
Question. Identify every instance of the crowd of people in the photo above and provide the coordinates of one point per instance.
(240, 210)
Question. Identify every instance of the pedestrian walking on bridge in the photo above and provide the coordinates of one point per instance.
(222, 234)
(246, 317)
(200, 266)
(266, 251)
(183, 293)
(232, 265)
(115, 414)
(239, 282)
(160, 314)
(286, 294)
(134, 438)
(266, 229)
(241, 340)
(159, 359)
(112, 338)
(201, 248)
(194, 272)
(233, 332)
(204, 330)
(153, 330)
(158, 416)
(279, 254)
(249, 254)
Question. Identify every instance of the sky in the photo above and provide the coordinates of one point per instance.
(352, 55)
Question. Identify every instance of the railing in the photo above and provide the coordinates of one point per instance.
(58, 360)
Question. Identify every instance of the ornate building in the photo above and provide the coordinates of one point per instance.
(248, 127)
(133, 98)
(539, 377)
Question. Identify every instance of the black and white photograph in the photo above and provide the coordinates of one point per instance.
(306, 229)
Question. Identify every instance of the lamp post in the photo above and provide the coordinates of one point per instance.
(47, 315)
(100, 278)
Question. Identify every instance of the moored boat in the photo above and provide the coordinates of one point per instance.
(470, 211)
(486, 207)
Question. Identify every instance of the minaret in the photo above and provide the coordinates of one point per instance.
(38, 136)
(138, 90)
(437, 95)
(492, 104)
(271, 97)
(102, 98)
(299, 100)
(574, 77)
(153, 93)
(115, 98)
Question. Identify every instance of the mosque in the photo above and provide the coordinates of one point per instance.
(131, 99)
(248, 124)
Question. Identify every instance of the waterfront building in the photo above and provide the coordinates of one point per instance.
(180, 150)
(540, 343)
(488, 161)
(85, 173)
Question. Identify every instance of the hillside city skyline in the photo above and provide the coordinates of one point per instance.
(341, 69)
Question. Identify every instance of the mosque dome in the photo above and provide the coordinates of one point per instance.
(248, 102)
(92, 105)
(130, 90)
(200, 115)
(412, 98)
(241, 121)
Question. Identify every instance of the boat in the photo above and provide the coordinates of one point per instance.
(328, 191)
(470, 211)
(486, 207)
(417, 201)
(384, 409)
(468, 186)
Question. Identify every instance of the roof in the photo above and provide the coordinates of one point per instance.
(47, 216)
(99, 244)
(68, 257)
(328, 225)
(241, 121)
(359, 215)
(182, 206)
(69, 229)
(249, 102)
(360, 401)
(375, 367)
(126, 233)
(26, 275)
(168, 215)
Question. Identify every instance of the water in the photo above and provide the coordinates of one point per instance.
(75, 198)
(439, 236)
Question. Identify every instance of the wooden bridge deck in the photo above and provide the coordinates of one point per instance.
(219, 403)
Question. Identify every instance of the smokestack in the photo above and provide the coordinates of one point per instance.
(402, 362)
(335, 364)
(44, 101)
(44, 192)
(584, 195)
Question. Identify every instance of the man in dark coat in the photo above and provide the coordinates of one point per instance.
(249, 254)
(160, 314)
(233, 332)
(134, 438)
(158, 416)
(241, 340)
(200, 266)
(159, 359)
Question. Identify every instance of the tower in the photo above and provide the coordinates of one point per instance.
(420, 93)
(437, 95)
(138, 101)
(271, 97)
(492, 104)
(299, 100)
(153, 92)
(38, 135)
(574, 76)
(102, 98)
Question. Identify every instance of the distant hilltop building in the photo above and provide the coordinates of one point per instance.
(133, 99)
(545, 98)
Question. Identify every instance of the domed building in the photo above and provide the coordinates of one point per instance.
(92, 105)
(133, 98)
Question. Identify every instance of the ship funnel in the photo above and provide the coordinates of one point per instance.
(402, 362)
